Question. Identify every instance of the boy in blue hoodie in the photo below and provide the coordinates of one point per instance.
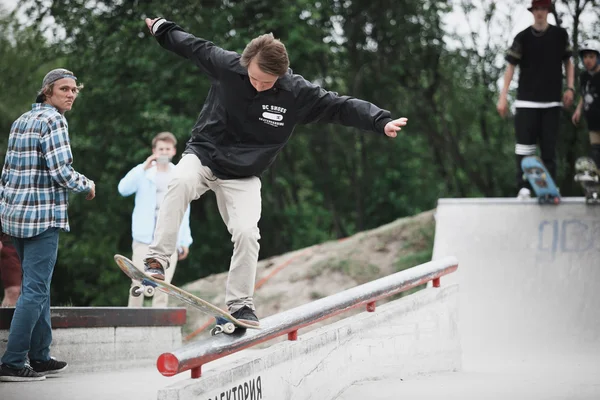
(149, 181)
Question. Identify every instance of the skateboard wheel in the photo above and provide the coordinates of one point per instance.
(149, 291)
(216, 330)
(556, 200)
(136, 291)
(228, 327)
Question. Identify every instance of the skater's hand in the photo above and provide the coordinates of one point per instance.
(576, 116)
(502, 106)
(150, 22)
(92, 193)
(568, 98)
(183, 253)
(149, 160)
(391, 128)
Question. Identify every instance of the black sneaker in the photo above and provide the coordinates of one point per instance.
(52, 366)
(246, 315)
(25, 374)
(154, 268)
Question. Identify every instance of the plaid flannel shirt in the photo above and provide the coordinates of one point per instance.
(37, 174)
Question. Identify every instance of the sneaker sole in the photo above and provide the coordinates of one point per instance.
(249, 322)
(20, 379)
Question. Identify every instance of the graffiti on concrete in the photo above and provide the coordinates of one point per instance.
(568, 236)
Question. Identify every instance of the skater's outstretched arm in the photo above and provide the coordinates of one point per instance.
(211, 59)
(320, 105)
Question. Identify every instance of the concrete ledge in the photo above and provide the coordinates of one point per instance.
(93, 339)
(413, 335)
(96, 317)
(507, 200)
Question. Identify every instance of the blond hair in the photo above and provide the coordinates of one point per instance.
(166, 137)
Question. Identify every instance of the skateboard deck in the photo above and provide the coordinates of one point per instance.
(225, 322)
(540, 180)
(588, 175)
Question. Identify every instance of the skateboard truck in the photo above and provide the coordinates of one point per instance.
(147, 288)
(586, 177)
(222, 326)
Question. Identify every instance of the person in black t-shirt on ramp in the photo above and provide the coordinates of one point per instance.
(589, 104)
(539, 52)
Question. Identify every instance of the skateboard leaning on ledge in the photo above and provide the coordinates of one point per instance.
(588, 175)
(540, 180)
(224, 321)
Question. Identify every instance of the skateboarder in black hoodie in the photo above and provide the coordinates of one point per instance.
(254, 103)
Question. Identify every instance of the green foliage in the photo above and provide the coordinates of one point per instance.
(25, 56)
(329, 182)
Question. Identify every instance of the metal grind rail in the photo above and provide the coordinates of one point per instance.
(194, 355)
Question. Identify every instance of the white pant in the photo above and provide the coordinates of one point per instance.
(160, 298)
(239, 203)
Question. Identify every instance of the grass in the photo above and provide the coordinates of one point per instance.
(355, 269)
(418, 249)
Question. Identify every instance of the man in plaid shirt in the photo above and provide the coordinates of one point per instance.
(36, 179)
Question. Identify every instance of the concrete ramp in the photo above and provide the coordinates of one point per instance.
(528, 277)
(529, 303)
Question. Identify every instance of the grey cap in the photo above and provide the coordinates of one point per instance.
(50, 78)
(55, 75)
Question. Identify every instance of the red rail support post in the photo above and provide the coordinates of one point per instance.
(197, 372)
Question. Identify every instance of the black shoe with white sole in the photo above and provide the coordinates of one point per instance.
(50, 367)
(25, 374)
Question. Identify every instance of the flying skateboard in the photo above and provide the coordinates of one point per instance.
(588, 175)
(225, 323)
(540, 180)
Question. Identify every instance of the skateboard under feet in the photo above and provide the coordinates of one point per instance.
(226, 323)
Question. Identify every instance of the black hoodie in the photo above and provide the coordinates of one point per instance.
(240, 131)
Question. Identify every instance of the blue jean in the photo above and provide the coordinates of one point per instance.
(31, 330)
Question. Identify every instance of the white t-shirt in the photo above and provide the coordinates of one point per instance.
(161, 180)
